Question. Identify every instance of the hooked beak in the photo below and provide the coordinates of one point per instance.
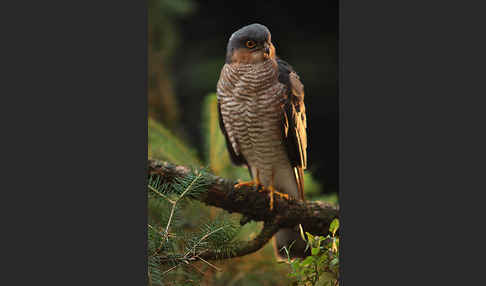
(266, 49)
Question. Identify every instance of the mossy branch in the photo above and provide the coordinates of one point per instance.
(314, 216)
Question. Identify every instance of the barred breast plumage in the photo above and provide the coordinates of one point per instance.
(251, 100)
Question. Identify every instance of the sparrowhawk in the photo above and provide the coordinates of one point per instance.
(262, 116)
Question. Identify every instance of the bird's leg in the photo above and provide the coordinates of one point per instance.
(256, 182)
(273, 192)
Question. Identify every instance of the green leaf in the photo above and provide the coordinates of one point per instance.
(334, 226)
(310, 237)
(308, 260)
(302, 232)
(322, 259)
(335, 261)
(319, 240)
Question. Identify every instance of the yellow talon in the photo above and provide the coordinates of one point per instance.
(255, 182)
(241, 184)
(273, 192)
(261, 188)
(282, 195)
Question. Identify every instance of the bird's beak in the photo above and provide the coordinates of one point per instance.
(266, 49)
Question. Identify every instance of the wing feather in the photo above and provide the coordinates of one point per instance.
(236, 157)
(294, 122)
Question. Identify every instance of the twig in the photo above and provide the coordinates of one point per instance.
(161, 242)
(190, 185)
(160, 194)
(199, 270)
(203, 238)
(170, 269)
(175, 203)
(199, 257)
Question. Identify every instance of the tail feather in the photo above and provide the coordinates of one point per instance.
(299, 177)
(290, 237)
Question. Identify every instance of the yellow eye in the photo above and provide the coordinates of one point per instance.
(250, 44)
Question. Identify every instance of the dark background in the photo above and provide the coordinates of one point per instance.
(304, 35)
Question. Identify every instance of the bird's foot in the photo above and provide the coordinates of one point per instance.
(273, 192)
(255, 184)
(282, 195)
(241, 184)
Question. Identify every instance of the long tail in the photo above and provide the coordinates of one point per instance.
(291, 237)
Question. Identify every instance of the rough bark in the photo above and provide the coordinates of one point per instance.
(314, 216)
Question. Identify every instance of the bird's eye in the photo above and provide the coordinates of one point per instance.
(250, 44)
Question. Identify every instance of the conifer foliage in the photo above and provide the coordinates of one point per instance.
(173, 246)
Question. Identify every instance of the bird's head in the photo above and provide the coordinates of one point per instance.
(250, 45)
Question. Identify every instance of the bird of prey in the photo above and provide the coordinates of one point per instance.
(262, 116)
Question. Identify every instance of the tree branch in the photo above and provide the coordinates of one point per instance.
(314, 216)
